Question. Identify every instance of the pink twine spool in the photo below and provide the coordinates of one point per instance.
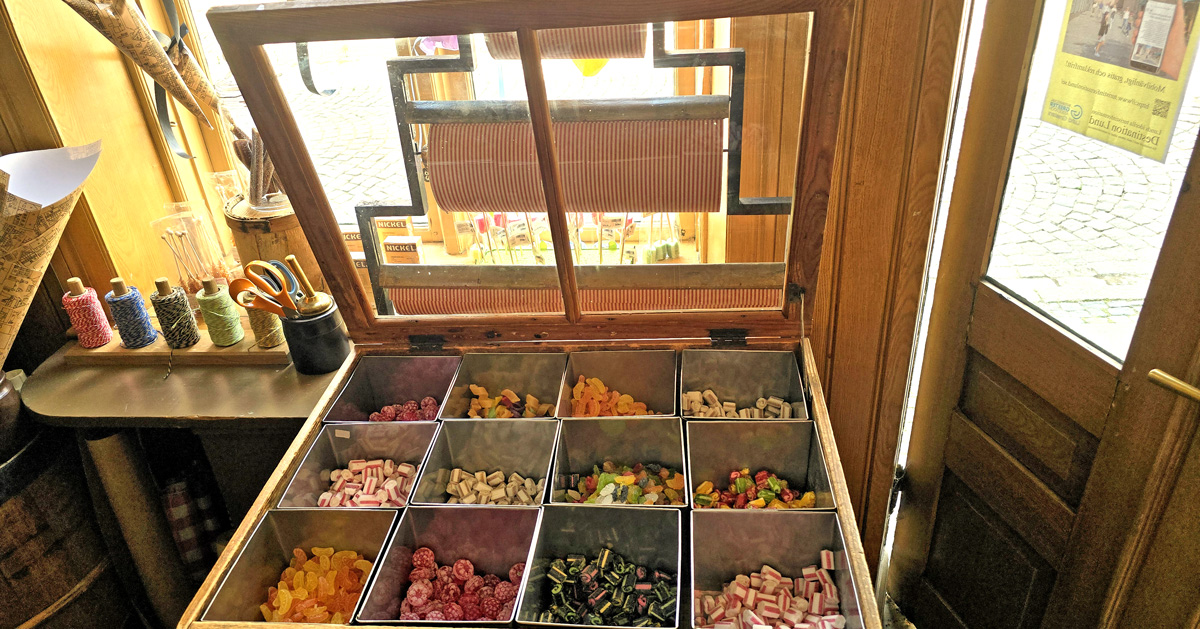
(88, 318)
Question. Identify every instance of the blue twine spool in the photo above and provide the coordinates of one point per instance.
(132, 319)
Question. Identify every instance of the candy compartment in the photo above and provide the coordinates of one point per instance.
(788, 541)
(269, 549)
(789, 449)
(338, 444)
(536, 374)
(521, 446)
(743, 376)
(379, 381)
(649, 376)
(584, 443)
(492, 539)
(641, 535)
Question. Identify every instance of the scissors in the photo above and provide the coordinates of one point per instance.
(293, 286)
(265, 293)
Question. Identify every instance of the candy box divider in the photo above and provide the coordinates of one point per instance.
(269, 550)
(537, 374)
(337, 444)
(787, 540)
(649, 376)
(584, 442)
(643, 535)
(493, 539)
(524, 446)
(378, 381)
(742, 376)
(788, 448)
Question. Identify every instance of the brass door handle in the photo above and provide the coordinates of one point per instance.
(1169, 382)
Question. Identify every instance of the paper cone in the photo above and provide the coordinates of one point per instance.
(38, 190)
(197, 81)
(124, 26)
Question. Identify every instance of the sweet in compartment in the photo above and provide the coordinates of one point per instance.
(790, 449)
(381, 381)
(524, 447)
(738, 379)
(645, 377)
(271, 546)
(533, 379)
(492, 540)
(585, 445)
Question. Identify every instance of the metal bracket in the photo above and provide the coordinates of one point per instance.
(426, 342)
(899, 484)
(728, 337)
(793, 292)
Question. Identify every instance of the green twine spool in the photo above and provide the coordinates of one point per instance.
(221, 317)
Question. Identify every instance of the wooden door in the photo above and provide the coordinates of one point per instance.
(1049, 482)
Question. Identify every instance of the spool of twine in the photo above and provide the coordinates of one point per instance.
(176, 319)
(87, 315)
(267, 330)
(220, 315)
(132, 319)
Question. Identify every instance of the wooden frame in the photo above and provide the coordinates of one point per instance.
(243, 31)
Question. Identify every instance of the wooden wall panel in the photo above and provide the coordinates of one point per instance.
(903, 64)
(980, 573)
(1033, 511)
(1057, 450)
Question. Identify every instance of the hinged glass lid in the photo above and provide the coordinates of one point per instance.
(514, 170)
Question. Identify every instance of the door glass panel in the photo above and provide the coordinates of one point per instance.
(1083, 214)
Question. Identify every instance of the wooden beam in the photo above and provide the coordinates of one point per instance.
(483, 111)
(547, 154)
(592, 277)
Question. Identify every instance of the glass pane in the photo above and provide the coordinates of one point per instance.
(1087, 198)
(643, 132)
(436, 184)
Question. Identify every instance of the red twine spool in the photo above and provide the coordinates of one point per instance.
(88, 318)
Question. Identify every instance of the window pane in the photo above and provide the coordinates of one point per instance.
(1082, 220)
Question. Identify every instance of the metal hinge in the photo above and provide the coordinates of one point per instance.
(793, 292)
(426, 342)
(899, 485)
(728, 337)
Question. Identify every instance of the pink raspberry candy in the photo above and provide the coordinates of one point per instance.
(445, 574)
(435, 615)
(409, 616)
(485, 593)
(473, 584)
(450, 593)
(410, 405)
(468, 599)
(428, 401)
(506, 611)
(388, 413)
(423, 558)
(405, 606)
(421, 573)
(490, 579)
(505, 591)
(471, 612)
(463, 570)
(516, 572)
(376, 417)
(453, 611)
(409, 416)
(429, 413)
(490, 608)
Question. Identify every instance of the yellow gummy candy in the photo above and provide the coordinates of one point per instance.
(324, 561)
(283, 601)
(512, 397)
(478, 390)
(300, 594)
(312, 566)
(310, 582)
(807, 501)
(625, 479)
(705, 488)
(676, 482)
(758, 502)
(337, 619)
(598, 385)
(777, 504)
(344, 554)
(577, 390)
(322, 552)
(531, 402)
(266, 611)
(298, 580)
(364, 565)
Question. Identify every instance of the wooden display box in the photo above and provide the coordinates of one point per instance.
(244, 31)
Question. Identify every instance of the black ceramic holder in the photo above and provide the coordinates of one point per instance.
(319, 343)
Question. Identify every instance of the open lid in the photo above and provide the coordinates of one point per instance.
(678, 195)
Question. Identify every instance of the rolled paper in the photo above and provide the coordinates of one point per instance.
(124, 25)
(196, 80)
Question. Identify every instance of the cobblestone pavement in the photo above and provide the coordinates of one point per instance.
(1082, 221)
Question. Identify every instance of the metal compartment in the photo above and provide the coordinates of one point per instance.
(786, 540)
(649, 376)
(269, 550)
(524, 446)
(539, 375)
(742, 376)
(493, 539)
(788, 448)
(337, 444)
(583, 443)
(381, 380)
(644, 535)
